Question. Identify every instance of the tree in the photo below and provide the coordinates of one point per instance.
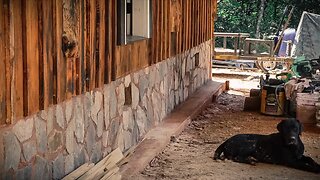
(260, 16)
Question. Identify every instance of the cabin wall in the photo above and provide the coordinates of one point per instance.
(53, 142)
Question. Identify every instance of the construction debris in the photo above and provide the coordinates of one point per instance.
(107, 168)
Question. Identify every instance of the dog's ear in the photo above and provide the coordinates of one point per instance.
(300, 127)
(279, 126)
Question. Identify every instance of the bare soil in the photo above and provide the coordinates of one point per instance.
(189, 156)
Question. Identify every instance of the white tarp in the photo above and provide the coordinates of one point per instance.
(307, 41)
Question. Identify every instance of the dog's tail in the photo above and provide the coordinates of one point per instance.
(219, 151)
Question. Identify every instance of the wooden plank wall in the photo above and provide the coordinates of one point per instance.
(53, 50)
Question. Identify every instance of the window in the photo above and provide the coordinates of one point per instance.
(134, 20)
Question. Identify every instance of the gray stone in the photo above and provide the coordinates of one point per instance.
(121, 97)
(70, 138)
(80, 157)
(141, 119)
(143, 84)
(183, 68)
(29, 150)
(120, 139)
(23, 129)
(127, 80)
(69, 163)
(156, 104)
(136, 76)
(55, 141)
(96, 153)
(150, 114)
(135, 96)
(100, 124)
(96, 107)
(1, 155)
(41, 135)
(113, 102)
(128, 140)
(106, 107)
(114, 127)
(79, 121)
(105, 138)
(41, 168)
(90, 137)
(24, 173)
(50, 118)
(60, 116)
(12, 151)
(58, 167)
(152, 76)
(44, 114)
(127, 119)
(69, 110)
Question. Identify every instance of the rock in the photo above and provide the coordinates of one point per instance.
(100, 124)
(50, 117)
(69, 163)
(96, 107)
(70, 139)
(80, 157)
(141, 119)
(113, 105)
(69, 110)
(41, 168)
(79, 121)
(105, 138)
(55, 141)
(143, 84)
(58, 167)
(96, 153)
(121, 97)
(24, 173)
(127, 80)
(29, 150)
(12, 151)
(106, 104)
(41, 135)
(127, 119)
(135, 96)
(23, 129)
(60, 116)
(90, 137)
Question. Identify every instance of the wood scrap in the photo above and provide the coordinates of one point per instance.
(79, 171)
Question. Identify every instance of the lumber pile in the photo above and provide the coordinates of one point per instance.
(107, 168)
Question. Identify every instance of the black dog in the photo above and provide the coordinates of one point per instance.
(284, 148)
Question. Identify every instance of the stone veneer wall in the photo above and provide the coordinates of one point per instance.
(86, 128)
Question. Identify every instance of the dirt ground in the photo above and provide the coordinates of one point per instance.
(189, 156)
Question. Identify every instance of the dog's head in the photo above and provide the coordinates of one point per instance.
(290, 129)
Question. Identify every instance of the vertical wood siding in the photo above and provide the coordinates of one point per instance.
(52, 50)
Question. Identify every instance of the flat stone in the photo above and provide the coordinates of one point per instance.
(136, 76)
(121, 97)
(96, 107)
(70, 138)
(96, 153)
(69, 110)
(69, 163)
(24, 173)
(143, 84)
(58, 167)
(1, 155)
(127, 119)
(114, 102)
(23, 129)
(41, 135)
(90, 137)
(29, 150)
(127, 80)
(100, 124)
(50, 118)
(128, 140)
(120, 139)
(106, 106)
(79, 121)
(135, 96)
(105, 138)
(114, 127)
(80, 157)
(60, 116)
(141, 119)
(41, 168)
(55, 141)
(12, 151)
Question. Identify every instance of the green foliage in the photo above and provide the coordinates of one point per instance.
(241, 15)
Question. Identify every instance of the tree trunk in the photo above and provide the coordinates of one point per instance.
(260, 16)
